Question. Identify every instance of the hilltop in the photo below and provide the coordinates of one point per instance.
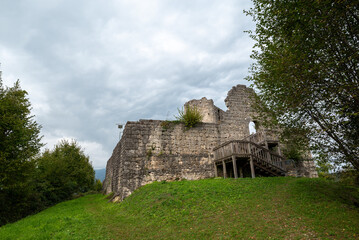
(278, 207)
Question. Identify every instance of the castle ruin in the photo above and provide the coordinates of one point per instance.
(220, 146)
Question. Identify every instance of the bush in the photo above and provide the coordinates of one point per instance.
(64, 171)
(348, 176)
(190, 116)
(98, 185)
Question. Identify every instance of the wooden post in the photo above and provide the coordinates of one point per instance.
(234, 166)
(279, 152)
(252, 167)
(240, 172)
(265, 139)
(224, 170)
(215, 170)
(269, 159)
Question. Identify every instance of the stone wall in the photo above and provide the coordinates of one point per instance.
(153, 150)
(233, 123)
(209, 112)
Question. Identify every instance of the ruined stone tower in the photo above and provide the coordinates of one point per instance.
(154, 150)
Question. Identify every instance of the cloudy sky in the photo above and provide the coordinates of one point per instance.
(89, 64)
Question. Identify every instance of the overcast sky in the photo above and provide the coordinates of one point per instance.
(89, 64)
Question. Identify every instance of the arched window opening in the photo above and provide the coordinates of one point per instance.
(252, 127)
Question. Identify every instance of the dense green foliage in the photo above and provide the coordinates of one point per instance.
(260, 208)
(19, 143)
(98, 185)
(30, 182)
(307, 73)
(64, 171)
(190, 116)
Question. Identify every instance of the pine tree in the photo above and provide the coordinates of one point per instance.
(19, 143)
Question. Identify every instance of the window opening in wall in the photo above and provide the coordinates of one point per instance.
(252, 127)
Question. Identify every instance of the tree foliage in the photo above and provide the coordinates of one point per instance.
(64, 171)
(30, 182)
(19, 143)
(98, 185)
(306, 72)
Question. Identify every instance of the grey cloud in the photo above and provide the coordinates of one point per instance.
(88, 65)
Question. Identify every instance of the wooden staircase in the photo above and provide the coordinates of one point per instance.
(249, 156)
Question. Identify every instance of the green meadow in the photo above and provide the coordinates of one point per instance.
(260, 208)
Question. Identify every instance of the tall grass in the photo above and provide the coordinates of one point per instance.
(190, 116)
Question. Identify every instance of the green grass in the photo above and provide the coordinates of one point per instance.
(261, 208)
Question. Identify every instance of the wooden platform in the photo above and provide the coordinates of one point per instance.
(233, 158)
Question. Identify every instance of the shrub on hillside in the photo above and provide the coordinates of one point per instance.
(64, 171)
(98, 185)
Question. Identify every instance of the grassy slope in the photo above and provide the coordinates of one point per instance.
(258, 208)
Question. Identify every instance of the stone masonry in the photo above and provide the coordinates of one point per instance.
(154, 150)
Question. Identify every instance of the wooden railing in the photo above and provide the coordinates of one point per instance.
(247, 149)
(265, 155)
(262, 136)
(255, 137)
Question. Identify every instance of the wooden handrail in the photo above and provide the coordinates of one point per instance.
(256, 137)
(241, 147)
(241, 141)
(262, 136)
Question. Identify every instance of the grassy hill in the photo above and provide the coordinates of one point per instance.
(261, 208)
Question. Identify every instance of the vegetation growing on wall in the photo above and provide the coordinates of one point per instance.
(190, 116)
(168, 124)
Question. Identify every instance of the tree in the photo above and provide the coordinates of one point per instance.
(64, 171)
(307, 72)
(98, 185)
(19, 143)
